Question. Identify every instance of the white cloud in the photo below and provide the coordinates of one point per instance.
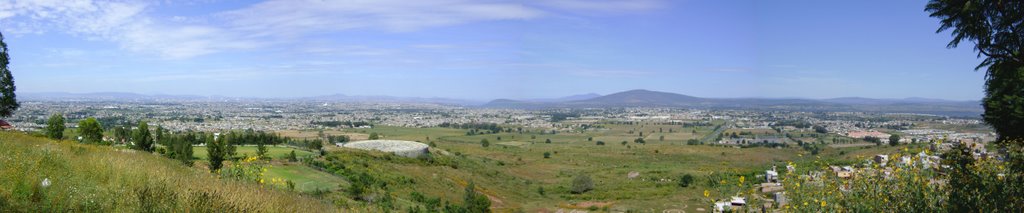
(272, 22)
(291, 17)
(603, 5)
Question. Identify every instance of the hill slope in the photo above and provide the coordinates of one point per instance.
(86, 178)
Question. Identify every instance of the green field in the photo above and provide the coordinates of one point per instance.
(511, 169)
(275, 152)
(306, 179)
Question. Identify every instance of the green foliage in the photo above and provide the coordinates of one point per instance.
(292, 157)
(993, 26)
(547, 154)
(143, 139)
(547, 140)
(474, 201)
(8, 101)
(894, 140)
(600, 143)
(261, 151)
(90, 130)
(122, 134)
(485, 143)
(685, 180)
(180, 147)
(374, 136)
(582, 183)
(55, 127)
(216, 152)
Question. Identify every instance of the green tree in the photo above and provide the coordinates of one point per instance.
(216, 152)
(894, 140)
(547, 154)
(547, 140)
(474, 201)
(122, 134)
(994, 27)
(143, 139)
(261, 150)
(374, 136)
(90, 130)
(8, 101)
(582, 183)
(685, 180)
(55, 127)
(485, 143)
(292, 157)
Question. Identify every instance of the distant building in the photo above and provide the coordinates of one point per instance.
(771, 176)
(865, 134)
(882, 159)
(5, 126)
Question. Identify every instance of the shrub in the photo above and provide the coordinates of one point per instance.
(600, 143)
(485, 143)
(685, 180)
(547, 155)
(582, 184)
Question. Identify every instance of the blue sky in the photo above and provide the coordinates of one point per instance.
(486, 49)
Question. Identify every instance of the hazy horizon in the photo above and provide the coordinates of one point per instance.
(487, 50)
(461, 99)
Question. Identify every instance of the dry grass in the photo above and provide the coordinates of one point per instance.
(87, 178)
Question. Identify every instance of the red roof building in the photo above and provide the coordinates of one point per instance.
(5, 125)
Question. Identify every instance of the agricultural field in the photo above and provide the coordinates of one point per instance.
(513, 169)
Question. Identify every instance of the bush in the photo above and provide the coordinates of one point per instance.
(600, 143)
(582, 184)
(485, 143)
(685, 180)
(547, 155)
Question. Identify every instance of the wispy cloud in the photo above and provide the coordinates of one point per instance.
(269, 23)
(604, 5)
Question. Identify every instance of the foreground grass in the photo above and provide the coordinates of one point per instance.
(86, 178)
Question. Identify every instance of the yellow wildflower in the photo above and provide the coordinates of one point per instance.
(822, 203)
(707, 193)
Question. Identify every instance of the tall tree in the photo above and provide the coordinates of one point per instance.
(216, 152)
(8, 103)
(55, 127)
(996, 28)
(90, 130)
(143, 139)
(894, 140)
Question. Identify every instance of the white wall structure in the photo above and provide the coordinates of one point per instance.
(401, 148)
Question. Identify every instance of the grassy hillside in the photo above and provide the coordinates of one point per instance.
(86, 178)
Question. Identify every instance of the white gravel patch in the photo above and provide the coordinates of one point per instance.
(402, 148)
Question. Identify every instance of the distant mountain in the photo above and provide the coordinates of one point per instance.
(566, 98)
(641, 98)
(647, 98)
